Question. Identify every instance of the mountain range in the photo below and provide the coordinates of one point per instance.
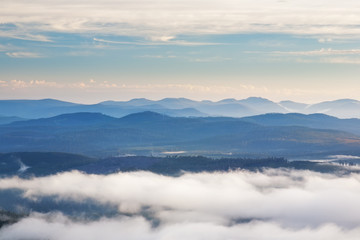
(150, 133)
(177, 107)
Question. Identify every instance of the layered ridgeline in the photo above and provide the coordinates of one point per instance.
(150, 133)
(177, 107)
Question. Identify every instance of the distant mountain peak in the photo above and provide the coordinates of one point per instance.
(80, 118)
(139, 101)
(289, 101)
(146, 115)
(177, 100)
(81, 115)
(228, 100)
(256, 99)
(49, 100)
(346, 100)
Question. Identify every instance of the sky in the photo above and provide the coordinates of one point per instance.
(91, 51)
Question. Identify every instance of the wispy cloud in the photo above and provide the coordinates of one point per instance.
(190, 59)
(15, 84)
(93, 84)
(160, 20)
(24, 55)
(79, 53)
(10, 48)
(325, 40)
(23, 34)
(159, 56)
(332, 56)
(342, 60)
(209, 59)
(155, 42)
(3, 48)
(321, 52)
(332, 60)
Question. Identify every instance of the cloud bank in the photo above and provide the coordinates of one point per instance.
(276, 204)
(58, 227)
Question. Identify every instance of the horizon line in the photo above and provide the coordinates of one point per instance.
(161, 99)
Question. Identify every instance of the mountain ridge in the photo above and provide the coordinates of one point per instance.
(143, 133)
(179, 107)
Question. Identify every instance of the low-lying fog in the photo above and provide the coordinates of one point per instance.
(275, 204)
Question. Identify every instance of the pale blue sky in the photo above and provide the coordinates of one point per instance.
(89, 51)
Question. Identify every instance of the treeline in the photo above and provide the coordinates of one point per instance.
(28, 164)
(173, 165)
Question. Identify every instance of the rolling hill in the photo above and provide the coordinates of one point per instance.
(317, 120)
(149, 132)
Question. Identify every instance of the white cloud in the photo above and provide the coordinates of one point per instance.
(23, 55)
(332, 56)
(321, 52)
(190, 59)
(332, 60)
(15, 84)
(283, 204)
(81, 53)
(58, 227)
(3, 83)
(23, 34)
(161, 20)
(3, 48)
(289, 198)
(156, 41)
(98, 85)
(341, 60)
(210, 59)
(158, 56)
(43, 83)
(162, 38)
(18, 84)
(325, 40)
